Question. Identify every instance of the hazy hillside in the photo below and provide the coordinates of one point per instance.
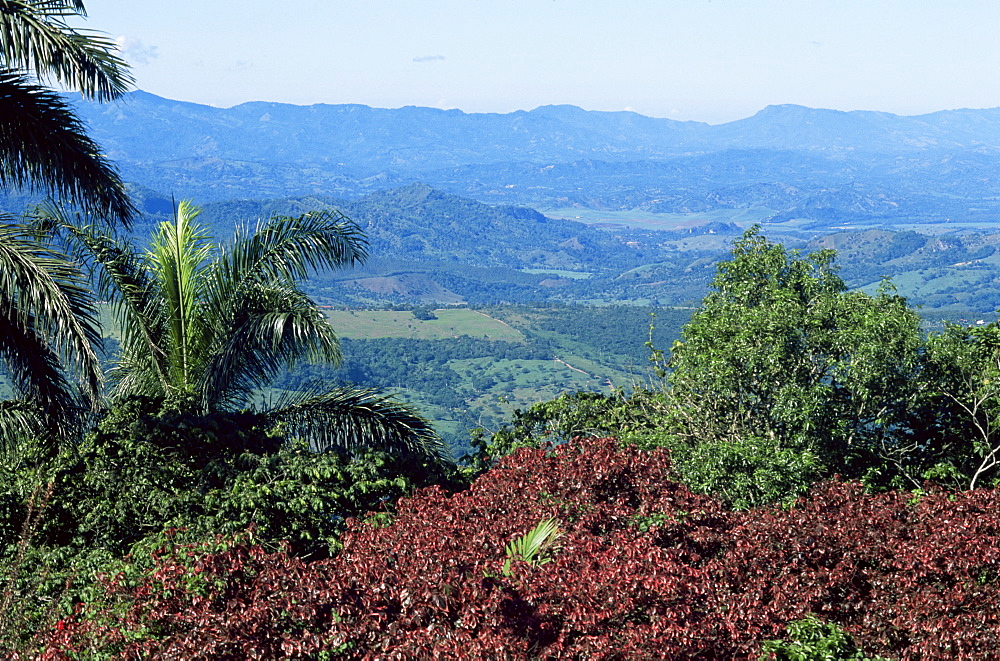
(359, 136)
(662, 198)
(418, 222)
(827, 168)
(428, 246)
(432, 247)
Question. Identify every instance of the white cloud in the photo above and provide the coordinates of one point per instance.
(134, 51)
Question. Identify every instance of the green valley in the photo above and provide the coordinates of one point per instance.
(473, 367)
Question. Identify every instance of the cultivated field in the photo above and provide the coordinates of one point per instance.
(453, 322)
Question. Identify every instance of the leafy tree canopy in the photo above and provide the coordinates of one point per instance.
(784, 376)
(781, 354)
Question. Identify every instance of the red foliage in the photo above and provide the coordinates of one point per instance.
(645, 570)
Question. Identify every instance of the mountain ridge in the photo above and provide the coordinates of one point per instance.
(786, 161)
(944, 127)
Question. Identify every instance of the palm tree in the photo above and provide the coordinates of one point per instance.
(47, 319)
(43, 145)
(205, 328)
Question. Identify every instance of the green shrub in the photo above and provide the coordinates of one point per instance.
(811, 639)
(146, 469)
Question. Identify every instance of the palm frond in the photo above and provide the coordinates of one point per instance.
(37, 38)
(246, 323)
(286, 249)
(123, 278)
(41, 291)
(534, 547)
(259, 333)
(19, 420)
(45, 147)
(177, 255)
(263, 322)
(37, 375)
(353, 419)
(136, 373)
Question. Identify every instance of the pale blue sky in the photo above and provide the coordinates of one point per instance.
(708, 60)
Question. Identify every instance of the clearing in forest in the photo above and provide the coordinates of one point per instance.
(450, 322)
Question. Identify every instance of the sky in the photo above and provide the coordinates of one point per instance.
(707, 60)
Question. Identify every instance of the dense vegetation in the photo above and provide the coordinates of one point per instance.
(180, 440)
(784, 377)
(805, 473)
(710, 526)
(634, 566)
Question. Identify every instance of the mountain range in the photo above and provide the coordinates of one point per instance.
(823, 167)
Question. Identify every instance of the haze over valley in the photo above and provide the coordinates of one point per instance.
(561, 206)
(564, 204)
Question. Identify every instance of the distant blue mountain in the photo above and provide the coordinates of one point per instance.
(147, 127)
(796, 161)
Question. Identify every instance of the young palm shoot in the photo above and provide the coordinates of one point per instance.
(535, 547)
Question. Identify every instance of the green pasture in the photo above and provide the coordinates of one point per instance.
(372, 324)
(650, 220)
(536, 374)
(501, 386)
(572, 275)
(450, 322)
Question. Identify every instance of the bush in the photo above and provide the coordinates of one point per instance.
(146, 469)
(424, 313)
(567, 416)
(747, 472)
(642, 568)
(811, 639)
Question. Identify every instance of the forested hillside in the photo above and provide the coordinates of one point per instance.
(430, 247)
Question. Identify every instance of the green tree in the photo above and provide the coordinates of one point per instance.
(205, 328)
(558, 420)
(960, 428)
(783, 368)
